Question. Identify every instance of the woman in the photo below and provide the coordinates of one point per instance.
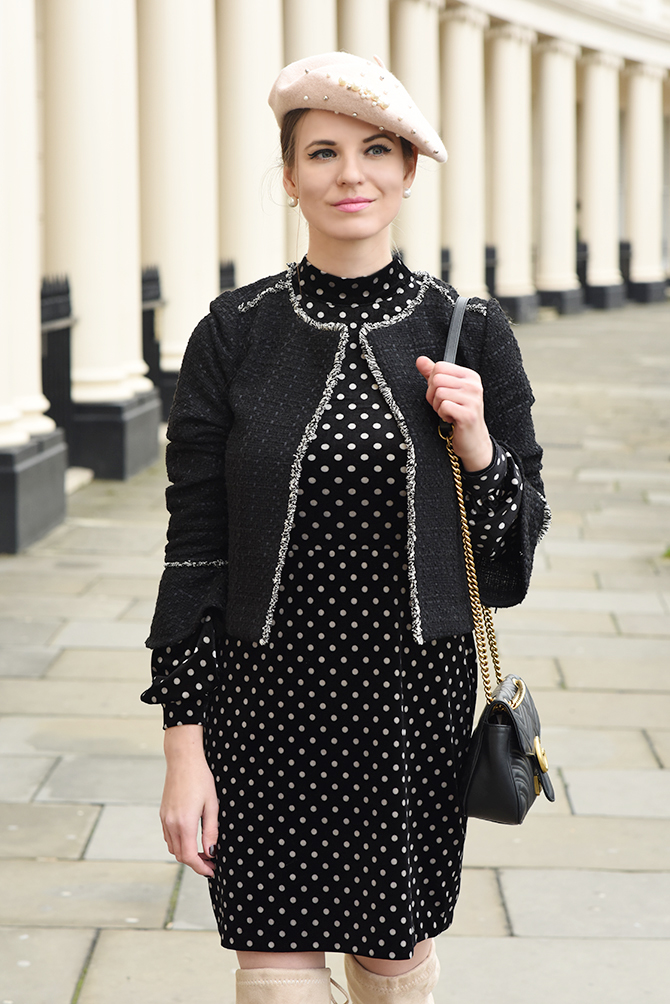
(312, 645)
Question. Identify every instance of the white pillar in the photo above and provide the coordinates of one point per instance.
(309, 29)
(463, 176)
(92, 189)
(415, 60)
(599, 187)
(178, 159)
(364, 28)
(644, 175)
(22, 403)
(556, 151)
(509, 166)
(252, 200)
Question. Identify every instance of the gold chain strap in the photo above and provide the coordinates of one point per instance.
(484, 631)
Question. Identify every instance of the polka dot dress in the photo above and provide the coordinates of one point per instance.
(337, 748)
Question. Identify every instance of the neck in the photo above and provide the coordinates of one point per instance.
(351, 258)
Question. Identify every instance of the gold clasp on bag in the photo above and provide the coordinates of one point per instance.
(541, 755)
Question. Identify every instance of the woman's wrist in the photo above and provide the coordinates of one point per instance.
(183, 740)
(478, 458)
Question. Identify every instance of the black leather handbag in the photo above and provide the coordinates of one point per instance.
(506, 767)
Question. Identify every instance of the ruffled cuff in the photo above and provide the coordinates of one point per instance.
(183, 674)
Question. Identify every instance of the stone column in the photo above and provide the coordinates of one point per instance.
(599, 186)
(364, 28)
(463, 176)
(644, 181)
(178, 160)
(92, 227)
(509, 167)
(309, 28)
(32, 452)
(251, 196)
(415, 60)
(556, 174)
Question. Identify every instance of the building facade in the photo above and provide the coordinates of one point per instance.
(139, 176)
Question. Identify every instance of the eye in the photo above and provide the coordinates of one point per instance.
(324, 154)
(378, 149)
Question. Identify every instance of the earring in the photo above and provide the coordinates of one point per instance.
(292, 201)
(406, 194)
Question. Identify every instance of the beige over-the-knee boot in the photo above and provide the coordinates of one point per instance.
(286, 986)
(413, 987)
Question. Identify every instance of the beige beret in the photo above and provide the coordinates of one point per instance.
(346, 84)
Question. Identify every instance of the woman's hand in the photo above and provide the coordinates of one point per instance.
(457, 396)
(189, 797)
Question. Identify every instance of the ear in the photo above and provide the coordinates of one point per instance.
(410, 168)
(290, 186)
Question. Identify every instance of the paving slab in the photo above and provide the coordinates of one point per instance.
(564, 903)
(644, 624)
(602, 600)
(73, 697)
(140, 610)
(559, 646)
(155, 967)
(193, 911)
(139, 587)
(566, 971)
(480, 912)
(615, 674)
(41, 966)
(551, 579)
(41, 604)
(121, 780)
(27, 631)
(101, 664)
(616, 710)
(21, 776)
(85, 893)
(538, 672)
(45, 831)
(128, 833)
(603, 749)
(108, 539)
(41, 561)
(25, 660)
(14, 581)
(644, 794)
(660, 741)
(98, 736)
(604, 549)
(545, 841)
(101, 634)
(561, 807)
(525, 619)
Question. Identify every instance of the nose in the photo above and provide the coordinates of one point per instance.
(350, 169)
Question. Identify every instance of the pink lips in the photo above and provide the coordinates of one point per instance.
(352, 205)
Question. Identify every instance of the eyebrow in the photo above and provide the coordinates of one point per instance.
(331, 142)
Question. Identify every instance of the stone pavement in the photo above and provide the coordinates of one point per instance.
(572, 906)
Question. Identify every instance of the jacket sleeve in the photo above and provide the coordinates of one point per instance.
(195, 575)
(507, 408)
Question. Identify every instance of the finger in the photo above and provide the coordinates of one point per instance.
(425, 366)
(167, 837)
(210, 829)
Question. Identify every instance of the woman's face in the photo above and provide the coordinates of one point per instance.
(348, 175)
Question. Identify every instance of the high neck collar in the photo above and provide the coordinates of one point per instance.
(381, 285)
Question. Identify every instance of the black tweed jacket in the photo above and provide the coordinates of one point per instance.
(256, 377)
